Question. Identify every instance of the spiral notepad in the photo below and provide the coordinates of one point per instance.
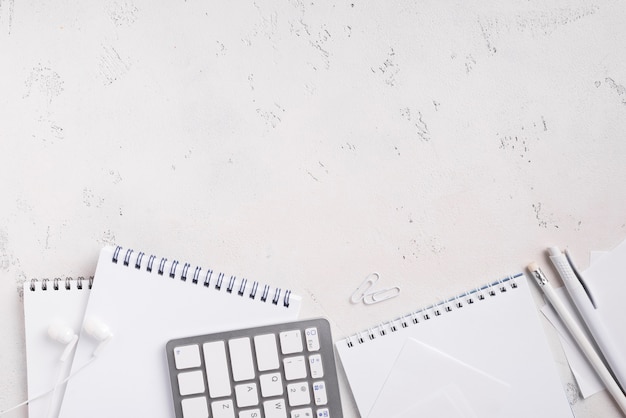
(493, 330)
(48, 301)
(146, 301)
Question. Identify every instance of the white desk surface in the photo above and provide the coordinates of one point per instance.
(309, 143)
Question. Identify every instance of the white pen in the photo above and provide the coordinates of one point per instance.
(584, 302)
(579, 336)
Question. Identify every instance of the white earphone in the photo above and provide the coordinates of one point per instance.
(98, 330)
(62, 333)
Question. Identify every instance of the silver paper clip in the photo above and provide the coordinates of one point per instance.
(381, 295)
(365, 293)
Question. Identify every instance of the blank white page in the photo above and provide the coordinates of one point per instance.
(437, 383)
(500, 335)
(606, 279)
(144, 310)
(46, 302)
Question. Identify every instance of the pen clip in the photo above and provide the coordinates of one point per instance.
(580, 278)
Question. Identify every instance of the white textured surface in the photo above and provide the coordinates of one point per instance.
(308, 144)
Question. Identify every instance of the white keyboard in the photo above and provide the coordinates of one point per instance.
(277, 371)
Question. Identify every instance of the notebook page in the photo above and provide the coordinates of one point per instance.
(440, 385)
(606, 279)
(45, 304)
(500, 335)
(143, 311)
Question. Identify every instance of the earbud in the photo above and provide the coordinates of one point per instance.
(62, 333)
(99, 331)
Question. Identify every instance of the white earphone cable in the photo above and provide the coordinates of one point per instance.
(52, 390)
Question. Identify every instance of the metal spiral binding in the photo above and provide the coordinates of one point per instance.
(231, 284)
(150, 261)
(207, 278)
(173, 269)
(196, 274)
(138, 261)
(242, 287)
(182, 274)
(432, 311)
(162, 266)
(58, 283)
(220, 279)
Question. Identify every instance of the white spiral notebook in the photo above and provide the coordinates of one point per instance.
(47, 302)
(146, 301)
(490, 337)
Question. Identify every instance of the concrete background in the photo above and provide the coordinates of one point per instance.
(308, 143)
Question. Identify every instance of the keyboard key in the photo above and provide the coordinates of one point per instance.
(295, 368)
(298, 394)
(241, 359)
(190, 383)
(246, 395)
(291, 341)
(223, 409)
(271, 385)
(250, 413)
(323, 413)
(312, 339)
(266, 352)
(195, 407)
(275, 408)
(187, 357)
(302, 413)
(216, 369)
(315, 365)
(319, 393)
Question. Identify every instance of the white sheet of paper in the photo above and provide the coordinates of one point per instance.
(594, 256)
(438, 404)
(426, 381)
(606, 280)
